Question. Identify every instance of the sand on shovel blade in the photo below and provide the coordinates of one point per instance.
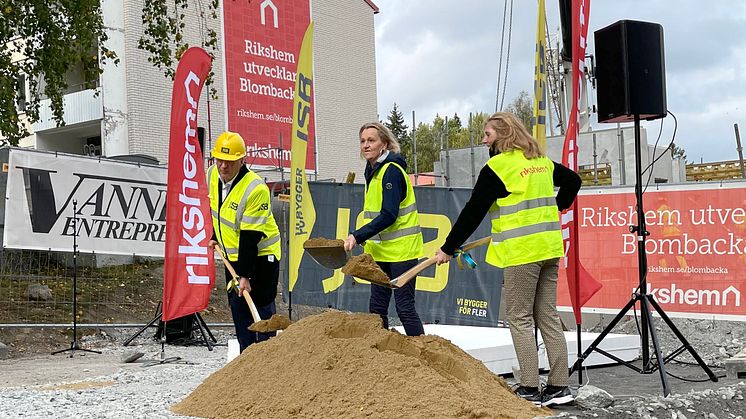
(363, 266)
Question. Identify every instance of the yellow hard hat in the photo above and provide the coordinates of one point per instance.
(229, 146)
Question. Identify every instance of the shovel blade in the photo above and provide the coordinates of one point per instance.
(331, 257)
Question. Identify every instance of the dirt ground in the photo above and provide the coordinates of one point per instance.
(132, 298)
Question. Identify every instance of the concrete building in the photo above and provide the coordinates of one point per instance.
(128, 111)
(609, 149)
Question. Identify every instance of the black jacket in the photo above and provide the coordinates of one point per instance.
(394, 191)
(489, 188)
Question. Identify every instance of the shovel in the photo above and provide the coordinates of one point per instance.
(277, 322)
(332, 255)
(407, 276)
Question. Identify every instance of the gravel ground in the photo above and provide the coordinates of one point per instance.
(102, 386)
(90, 385)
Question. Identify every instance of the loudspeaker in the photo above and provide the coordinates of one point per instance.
(630, 71)
(178, 329)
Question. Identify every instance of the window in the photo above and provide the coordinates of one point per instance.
(21, 93)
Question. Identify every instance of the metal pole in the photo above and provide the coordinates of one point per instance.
(448, 159)
(442, 170)
(595, 161)
(208, 140)
(740, 151)
(641, 232)
(282, 162)
(414, 149)
(622, 168)
(471, 147)
(549, 115)
(315, 159)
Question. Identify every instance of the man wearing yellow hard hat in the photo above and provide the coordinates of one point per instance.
(245, 229)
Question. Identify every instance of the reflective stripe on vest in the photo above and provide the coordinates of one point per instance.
(402, 211)
(529, 204)
(402, 240)
(396, 234)
(525, 224)
(245, 197)
(525, 231)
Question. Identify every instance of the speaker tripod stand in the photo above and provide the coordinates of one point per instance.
(74, 345)
(647, 303)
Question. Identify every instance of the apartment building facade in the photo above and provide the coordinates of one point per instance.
(128, 112)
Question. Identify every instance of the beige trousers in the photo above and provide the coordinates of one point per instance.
(531, 296)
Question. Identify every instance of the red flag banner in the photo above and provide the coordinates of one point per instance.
(580, 283)
(189, 272)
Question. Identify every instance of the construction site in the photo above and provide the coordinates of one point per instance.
(103, 313)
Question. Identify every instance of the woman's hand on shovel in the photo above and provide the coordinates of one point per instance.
(350, 243)
(441, 257)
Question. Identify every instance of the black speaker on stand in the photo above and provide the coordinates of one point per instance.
(74, 345)
(630, 72)
(631, 86)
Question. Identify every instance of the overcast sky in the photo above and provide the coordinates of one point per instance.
(441, 57)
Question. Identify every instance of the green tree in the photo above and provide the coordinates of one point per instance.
(45, 39)
(428, 147)
(42, 40)
(429, 136)
(163, 32)
(395, 123)
(678, 152)
(522, 107)
(477, 122)
(458, 135)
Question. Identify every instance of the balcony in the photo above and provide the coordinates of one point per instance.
(79, 107)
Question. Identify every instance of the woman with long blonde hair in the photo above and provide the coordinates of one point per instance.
(516, 187)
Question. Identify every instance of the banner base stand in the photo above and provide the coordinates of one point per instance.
(206, 335)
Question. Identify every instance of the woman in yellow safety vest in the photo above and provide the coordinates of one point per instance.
(516, 187)
(391, 231)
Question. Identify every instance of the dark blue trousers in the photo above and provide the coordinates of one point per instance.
(403, 298)
(242, 319)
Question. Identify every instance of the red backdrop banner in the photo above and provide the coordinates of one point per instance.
(696, 249)
(262, 40)
(189, 271)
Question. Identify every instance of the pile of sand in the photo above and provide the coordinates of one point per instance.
(337, 365)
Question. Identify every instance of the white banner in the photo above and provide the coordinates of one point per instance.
(121, 206)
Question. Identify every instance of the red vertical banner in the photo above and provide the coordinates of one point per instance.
(262, 40)
(189, 272)
(581, 284)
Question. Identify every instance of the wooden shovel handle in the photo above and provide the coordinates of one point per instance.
(410, 274)
(246, 296)
(252, 306)
(407, 276)
(477, 243)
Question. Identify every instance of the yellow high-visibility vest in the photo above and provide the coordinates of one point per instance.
(525, 224)
(402, 240)
(247, 207)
